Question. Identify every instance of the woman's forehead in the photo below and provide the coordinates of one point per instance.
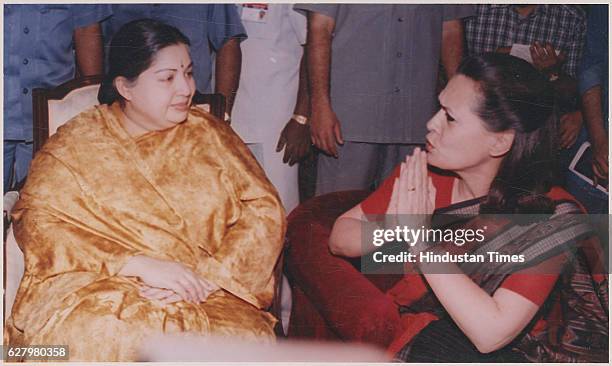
(174, 56)
(460, 91)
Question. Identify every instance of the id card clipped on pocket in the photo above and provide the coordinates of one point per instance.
(254, 12)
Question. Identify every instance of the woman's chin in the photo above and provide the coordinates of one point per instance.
(431, 160)
(177, 117)
(436, 163)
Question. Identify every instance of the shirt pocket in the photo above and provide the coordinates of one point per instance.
(259, 23)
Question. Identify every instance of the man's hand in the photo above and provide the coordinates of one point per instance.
(571, 123)
(545, 58)
(324, 125)
(600, 160)
(295, 138)
(325, 130)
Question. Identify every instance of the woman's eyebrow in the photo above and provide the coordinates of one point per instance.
(173, 69)
(446, 109)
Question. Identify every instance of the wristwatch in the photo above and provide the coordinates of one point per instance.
(303, 120)
(553, 76)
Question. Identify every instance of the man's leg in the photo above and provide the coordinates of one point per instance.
(23, 158)
(307, 175)
(9, 161)
(353, 169)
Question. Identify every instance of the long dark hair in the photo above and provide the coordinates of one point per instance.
(515, 96)
(132, 50)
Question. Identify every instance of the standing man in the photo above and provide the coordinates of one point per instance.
(551, 37)
(41, 45)
(593, 90)
(268, 102)
(209, 27)
(373, 71)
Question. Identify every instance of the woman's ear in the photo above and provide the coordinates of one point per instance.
(123, 87)
(501, 143)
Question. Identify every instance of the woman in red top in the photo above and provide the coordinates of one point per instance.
(494, 142)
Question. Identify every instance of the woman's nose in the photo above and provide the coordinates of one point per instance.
(183, 86)
(434, 122)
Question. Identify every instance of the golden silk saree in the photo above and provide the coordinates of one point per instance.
(95, 197)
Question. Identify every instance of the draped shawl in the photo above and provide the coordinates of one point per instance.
(571, 326)
(95, 197)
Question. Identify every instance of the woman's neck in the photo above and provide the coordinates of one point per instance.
(471, 185)
(131, 122)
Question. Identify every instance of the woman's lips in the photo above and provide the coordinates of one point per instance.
(428, 145)
(180, 106)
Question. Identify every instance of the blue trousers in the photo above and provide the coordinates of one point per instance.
(17, 158)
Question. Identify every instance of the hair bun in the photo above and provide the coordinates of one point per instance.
(107, 94)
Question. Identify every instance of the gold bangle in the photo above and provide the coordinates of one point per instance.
(300, 119)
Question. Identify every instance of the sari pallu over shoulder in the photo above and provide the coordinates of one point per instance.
(95, 197)
(572, 324)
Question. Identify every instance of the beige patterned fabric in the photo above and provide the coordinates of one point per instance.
(95, 197)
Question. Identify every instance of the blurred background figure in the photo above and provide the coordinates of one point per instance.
(44, 46)
(550, 37)
(215, 32)
(592, 162)
(372, 71)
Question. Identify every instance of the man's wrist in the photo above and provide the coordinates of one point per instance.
(301, 119)
(598, 139)
(552, 73)
(320, 102)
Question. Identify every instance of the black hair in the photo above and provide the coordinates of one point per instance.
(132, 50)
(515, 96)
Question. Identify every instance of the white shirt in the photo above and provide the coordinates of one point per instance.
(270, 70)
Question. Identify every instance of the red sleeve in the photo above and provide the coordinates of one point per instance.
(536, 283)
(378, 201)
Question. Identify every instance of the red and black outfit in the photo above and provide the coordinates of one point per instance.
(334, 300)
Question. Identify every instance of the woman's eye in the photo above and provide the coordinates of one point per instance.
(449, 117)
(190, 73)
(168, 78)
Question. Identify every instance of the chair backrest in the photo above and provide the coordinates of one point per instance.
(54, 107)
(211, 103)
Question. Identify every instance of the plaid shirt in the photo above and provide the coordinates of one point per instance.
(494, 26)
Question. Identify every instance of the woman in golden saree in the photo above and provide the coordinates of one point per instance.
(144, 215)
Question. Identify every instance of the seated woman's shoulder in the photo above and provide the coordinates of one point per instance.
(198, 116)
(201, 119)
(81, 129)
